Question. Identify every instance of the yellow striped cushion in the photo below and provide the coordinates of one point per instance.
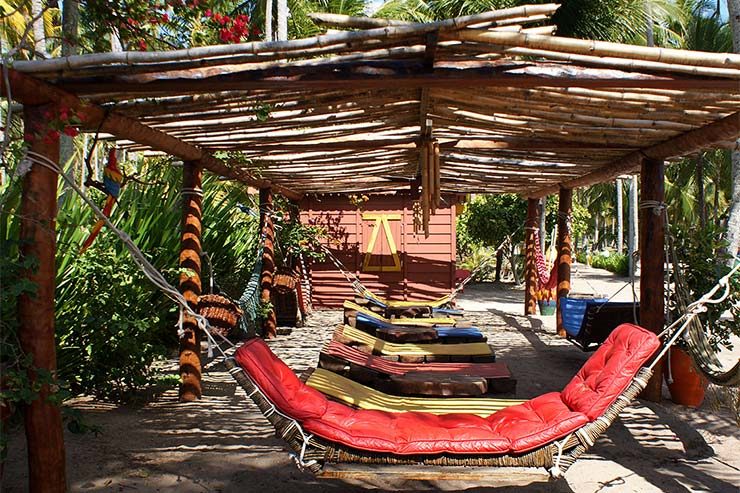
(422, 322)
(409, 349)
(363, 397)
(410, 303)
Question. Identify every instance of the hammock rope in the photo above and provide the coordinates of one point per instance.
(249, 301)
(363, 291)
(696, 338)
(146, 267)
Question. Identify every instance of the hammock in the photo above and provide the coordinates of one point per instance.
(372, 326)
(352, 309)
(393, 305)
(549, 431)
(547, 281)
(249, 301)
(433, 352)
(697, 343)
(369, 369)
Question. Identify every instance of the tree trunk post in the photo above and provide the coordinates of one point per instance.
(633, 239)
(565, 252)
(42, 419)
(733, 218)
(269, 323)
(530, 264)
(190, 282)
(620, 217)
(652, 261)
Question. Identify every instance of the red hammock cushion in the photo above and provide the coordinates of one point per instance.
(512, 430)
(609, 370)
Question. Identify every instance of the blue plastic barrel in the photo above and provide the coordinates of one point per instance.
(573, 310)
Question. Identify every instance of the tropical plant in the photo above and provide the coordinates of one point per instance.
(111, 322)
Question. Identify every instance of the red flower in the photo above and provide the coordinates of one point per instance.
(208, 13)
(29, 137)
(225, 35)
(165, 17)
(142, 45)
(71, 131)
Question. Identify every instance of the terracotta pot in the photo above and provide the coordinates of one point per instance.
(689, 386)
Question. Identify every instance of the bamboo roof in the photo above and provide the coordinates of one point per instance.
(513, 107)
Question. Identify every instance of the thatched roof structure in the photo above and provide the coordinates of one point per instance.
(511, 107)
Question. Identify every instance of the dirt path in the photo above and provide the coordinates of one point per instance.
(223, 444)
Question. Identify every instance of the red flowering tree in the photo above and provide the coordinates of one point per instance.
(168, 24)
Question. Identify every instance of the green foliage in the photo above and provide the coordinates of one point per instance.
(488, 219)
(111, 323)
(293, 237)
(613, 262)
(480, 259)
(703, 260)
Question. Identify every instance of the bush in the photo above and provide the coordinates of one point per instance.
(111, 323)
(613, 262)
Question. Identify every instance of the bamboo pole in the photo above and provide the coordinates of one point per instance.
(190, 282)
(425, 205)
(530, 265)
(385, 32)
(722, 130)
(565, 252)
(437, 176)
(38, 210)
(28, 90)
(601, 48)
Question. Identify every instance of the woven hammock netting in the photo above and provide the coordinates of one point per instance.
(249, 301)
(696, 338)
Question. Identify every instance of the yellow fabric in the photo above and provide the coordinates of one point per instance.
(363, 397)
(408, 349)
(419, 322)
(410, 303)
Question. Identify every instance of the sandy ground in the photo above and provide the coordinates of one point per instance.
(223, 444)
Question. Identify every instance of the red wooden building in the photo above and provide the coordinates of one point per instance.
(376, 241)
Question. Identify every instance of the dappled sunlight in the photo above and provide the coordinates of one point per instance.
(223, 443)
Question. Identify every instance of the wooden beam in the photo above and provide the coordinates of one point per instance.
(726, 129)
(190, 282)
(393, 75)
(652, 260)
(530, 264)
(565, 252)
(29, 90)
(269, 324)
(37, 239)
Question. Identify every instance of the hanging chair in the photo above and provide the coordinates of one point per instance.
(549, 431)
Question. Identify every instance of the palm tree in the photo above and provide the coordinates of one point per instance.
(612, 20)
(733, 221)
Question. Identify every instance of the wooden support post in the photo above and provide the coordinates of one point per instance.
(190, 283)
(42, 419)
(269, 324)
(652, 258)
(565, 252)
(530, 264)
